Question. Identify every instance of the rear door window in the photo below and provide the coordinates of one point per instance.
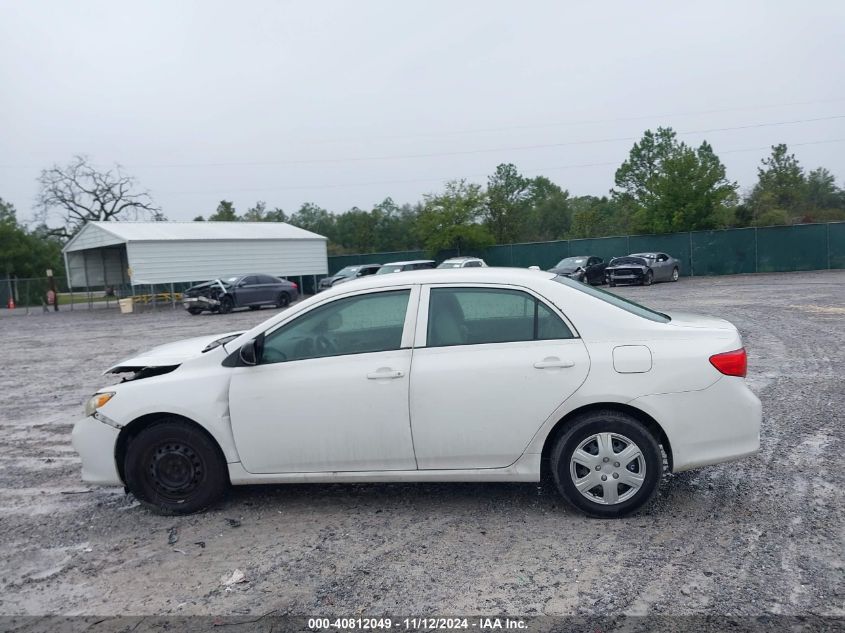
(475, 316)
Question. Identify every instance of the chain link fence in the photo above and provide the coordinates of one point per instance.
(30, 295)
(717, 252)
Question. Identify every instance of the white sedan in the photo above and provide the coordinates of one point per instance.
(479, 374)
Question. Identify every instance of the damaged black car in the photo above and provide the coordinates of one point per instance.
(240, 291)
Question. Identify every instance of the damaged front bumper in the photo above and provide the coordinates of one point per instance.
(200, 303)
(95, 442)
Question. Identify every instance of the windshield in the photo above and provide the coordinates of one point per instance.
(616, 300)
(390, 269)
(571, 262)
(229, 280)
(347, 272)
(451, 265)
(639, 261)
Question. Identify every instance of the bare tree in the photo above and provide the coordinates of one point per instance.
(78, 193)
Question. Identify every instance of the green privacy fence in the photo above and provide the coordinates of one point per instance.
(725, 252)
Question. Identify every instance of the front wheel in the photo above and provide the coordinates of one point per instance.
(226, 304)
(607, 464)
(649, 279)
(194, 311)
(173, 467)
(675, 274)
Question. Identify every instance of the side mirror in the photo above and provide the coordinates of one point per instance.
(251, 351)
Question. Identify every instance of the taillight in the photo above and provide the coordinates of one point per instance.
(295, 287)
(733, 363)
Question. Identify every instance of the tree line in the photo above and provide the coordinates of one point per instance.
(663, 186)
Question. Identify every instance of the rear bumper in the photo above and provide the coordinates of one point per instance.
(711, 426)
(95, 443)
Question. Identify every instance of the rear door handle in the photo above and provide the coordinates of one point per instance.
(553, 362)
(385, 373)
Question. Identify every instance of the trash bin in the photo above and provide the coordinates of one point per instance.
(126, 305)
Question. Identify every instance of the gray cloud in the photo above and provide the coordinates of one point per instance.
(283, 101)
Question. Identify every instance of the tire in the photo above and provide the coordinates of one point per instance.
(194, 311)
(675, 274)
(284, 300)
(619, 432)
(612, 284)
(226, 304)
(649, 278)
(173, 467)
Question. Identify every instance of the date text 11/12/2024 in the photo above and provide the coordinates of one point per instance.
(416, 623)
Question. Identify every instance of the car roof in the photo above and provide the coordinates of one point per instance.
(410, 261)
(461, 258)
(642, 255)
(497, 275)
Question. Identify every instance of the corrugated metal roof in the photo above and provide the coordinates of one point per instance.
(161, 231)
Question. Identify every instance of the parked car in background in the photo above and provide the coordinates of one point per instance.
(642, 269)
(401, 267)
(588, 268)
(514, 372)
(347, 274)
(463, 262)
(251, 291)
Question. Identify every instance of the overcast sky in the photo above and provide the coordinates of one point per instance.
(346, 103)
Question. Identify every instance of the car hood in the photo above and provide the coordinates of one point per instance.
(208, 284)
(169, 354)
(686, 319)
(626, 266)
(567, 270)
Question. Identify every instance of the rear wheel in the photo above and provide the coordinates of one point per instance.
(194, 311)
(284, 300)
(607, 464)
(649, 278)
(612, 284)
(675, 274)
(226, 304)
(175, 468)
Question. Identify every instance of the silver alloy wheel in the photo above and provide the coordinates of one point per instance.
(675, 274)
(607, 468)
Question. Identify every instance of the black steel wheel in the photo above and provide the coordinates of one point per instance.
(226, 304)
(173, 467)
(284, 300)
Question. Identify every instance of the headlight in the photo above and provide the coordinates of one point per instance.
(96, 401)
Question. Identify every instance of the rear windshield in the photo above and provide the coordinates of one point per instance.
(451, 265)
(616, 300)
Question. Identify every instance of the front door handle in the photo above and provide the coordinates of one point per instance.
(553, 362)
(385, 373)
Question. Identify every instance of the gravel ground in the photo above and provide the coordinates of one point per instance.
(760, 536)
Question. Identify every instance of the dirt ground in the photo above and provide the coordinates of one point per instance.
(760, 536)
